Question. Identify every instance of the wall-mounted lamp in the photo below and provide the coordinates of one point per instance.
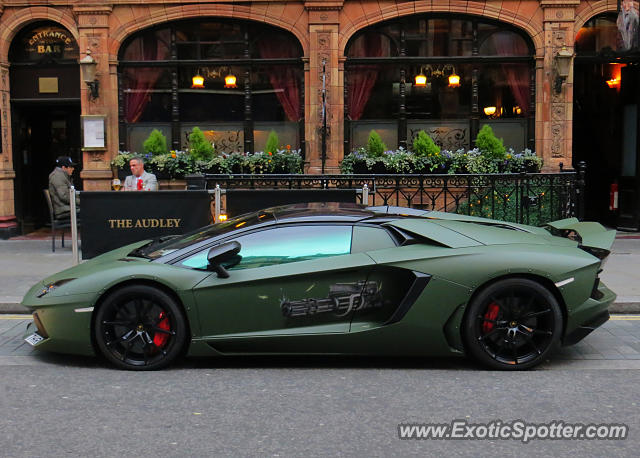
(489, 111)
(562, 64)
(429, 71)
(197, 82)
(421, 80)
(614, 83)
(88, 68)
(230, 81)
(615, 72)
(454, 80)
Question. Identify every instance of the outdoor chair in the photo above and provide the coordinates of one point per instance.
(62, 223)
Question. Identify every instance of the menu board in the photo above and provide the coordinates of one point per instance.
(93, 135)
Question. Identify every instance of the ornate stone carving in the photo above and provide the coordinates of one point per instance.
(558, 111)
(94, 42)
(557, 140)
(558, 38)
(324, 40)
(96, 156)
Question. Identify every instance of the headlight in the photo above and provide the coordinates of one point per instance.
(51, 286)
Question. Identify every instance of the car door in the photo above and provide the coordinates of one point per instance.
(292, 280)
(388, 289)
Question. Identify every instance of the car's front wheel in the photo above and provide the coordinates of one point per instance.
(512, 324)
(139, 327)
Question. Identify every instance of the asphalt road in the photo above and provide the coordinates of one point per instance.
(71, 406)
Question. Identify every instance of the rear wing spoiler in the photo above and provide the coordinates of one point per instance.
(587, 234)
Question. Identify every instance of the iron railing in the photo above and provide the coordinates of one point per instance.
(528, 198)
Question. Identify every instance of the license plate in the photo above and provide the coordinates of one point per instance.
(34, 338)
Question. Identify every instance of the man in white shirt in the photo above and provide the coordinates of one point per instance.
(140, 180)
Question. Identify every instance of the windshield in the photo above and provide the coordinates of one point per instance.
(164, 247)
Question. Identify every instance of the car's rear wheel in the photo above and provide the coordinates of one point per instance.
(512, 324)
(139, 327)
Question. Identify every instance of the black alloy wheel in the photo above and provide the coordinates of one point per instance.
(139, 327)
(513, 324)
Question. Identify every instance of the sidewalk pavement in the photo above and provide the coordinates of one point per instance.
(24, 262)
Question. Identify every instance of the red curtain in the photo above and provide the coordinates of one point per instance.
(362, 79)
(144, 79)
(283, 78)
(516, 75)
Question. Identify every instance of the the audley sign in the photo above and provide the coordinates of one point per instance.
(143, 223)
(113, 219)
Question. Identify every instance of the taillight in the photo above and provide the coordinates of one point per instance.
(599, 253)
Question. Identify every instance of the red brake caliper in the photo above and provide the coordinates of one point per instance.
(161, 338)
(492, 314)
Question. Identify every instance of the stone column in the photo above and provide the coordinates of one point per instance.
(8, 225)
(554, 111)
(93, 29)
(323, 39)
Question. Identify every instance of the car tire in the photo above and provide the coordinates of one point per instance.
(512, 324)
(139, 327)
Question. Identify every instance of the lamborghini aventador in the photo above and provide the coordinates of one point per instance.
(334, 279)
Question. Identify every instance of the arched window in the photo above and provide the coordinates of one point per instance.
(602, 53)
(599, 33)
(471, 72)
(235, 80)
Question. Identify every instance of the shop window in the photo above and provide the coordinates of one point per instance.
(211, 61)
(439, 94)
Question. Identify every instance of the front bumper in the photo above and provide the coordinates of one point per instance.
(591, 314)
(67, 331)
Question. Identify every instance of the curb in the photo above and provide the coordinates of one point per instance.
(623, 307)
(12, 307)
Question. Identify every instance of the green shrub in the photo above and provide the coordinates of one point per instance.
(156, 143)
(272, 143)
(490, 145)
(375, 147)
(423, 145)
(199, 147)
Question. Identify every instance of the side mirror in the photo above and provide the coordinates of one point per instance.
(220, 254)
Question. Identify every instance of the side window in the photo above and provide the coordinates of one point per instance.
(283, 245)
(370, 238)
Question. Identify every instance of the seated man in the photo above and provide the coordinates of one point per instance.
(140, 180)
(59, 184)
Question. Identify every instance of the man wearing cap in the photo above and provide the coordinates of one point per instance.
(140, 180)
(59, 184)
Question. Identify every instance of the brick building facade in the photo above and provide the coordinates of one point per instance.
(324, 30)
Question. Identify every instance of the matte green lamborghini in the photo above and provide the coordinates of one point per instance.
(333, 279)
